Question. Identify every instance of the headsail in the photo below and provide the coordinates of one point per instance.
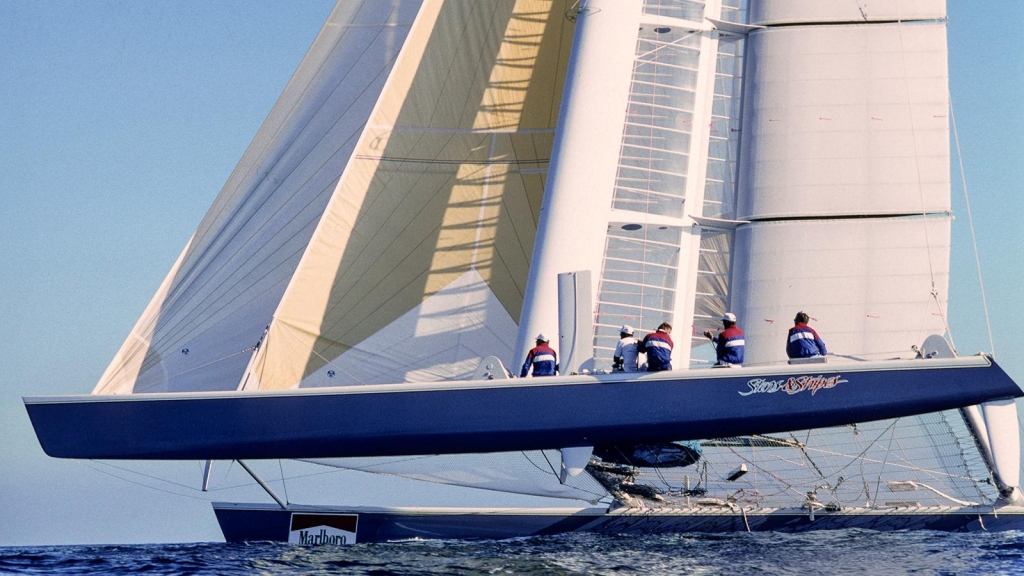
(198, 331)
(421, 132)
(417, 269)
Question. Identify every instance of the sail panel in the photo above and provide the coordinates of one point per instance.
(445, 184)
(198, 331)
(443, 338)
(654, 159)
(711, 296)
(842, 120)
(725, 131)
(639, 278)
(873, 287)
(767, 12)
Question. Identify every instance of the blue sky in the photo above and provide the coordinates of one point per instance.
(121, 120)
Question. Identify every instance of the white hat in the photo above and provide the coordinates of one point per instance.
(626, 329)
(542, 337)
(729, 317)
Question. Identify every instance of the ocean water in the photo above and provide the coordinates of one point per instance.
(838, 552)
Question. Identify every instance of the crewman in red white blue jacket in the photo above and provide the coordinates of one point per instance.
(541, 358)
(729, 344)
(658, 346)
(803, 341)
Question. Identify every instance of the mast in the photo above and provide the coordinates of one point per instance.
(628, 170)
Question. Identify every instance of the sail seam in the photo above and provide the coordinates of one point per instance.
(852, 22)
(849, 217)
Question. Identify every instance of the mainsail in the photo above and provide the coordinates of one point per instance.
(844, 178)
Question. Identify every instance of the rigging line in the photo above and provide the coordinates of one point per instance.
(885, 460)
(140, 483)
(906, 466)
(860, 457)
(130, 471)
(534, 464)
(284, 484)
(227, 471)
(802, 446)
(299, 477)
(960, 450)
(974, 238)
(398, 460)
(786, 487)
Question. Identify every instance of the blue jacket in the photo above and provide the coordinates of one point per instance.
(543, 360)
(658, 346)
(804, 342)
(729, 346)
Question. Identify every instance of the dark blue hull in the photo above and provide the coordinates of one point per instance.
(251, 522)
(507, 415)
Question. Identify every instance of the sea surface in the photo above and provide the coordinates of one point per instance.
(838, 552)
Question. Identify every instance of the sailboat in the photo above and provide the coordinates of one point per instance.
(443, 180)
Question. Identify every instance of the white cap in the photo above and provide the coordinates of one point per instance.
(729, 317)
(626, 329)
(542, 337)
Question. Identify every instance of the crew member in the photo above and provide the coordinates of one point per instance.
(658, 346)
(729, 343)
(803, 341)
(626, 351)
(541, 358)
